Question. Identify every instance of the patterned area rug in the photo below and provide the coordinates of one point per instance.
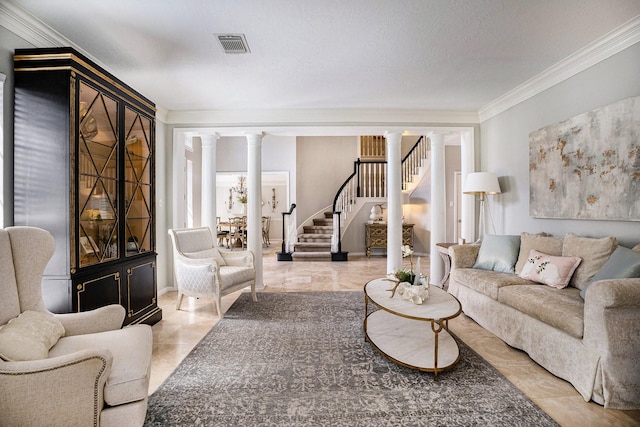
(300, 359)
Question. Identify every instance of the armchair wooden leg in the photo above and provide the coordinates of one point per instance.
(180, 295)
(253, 292)
(219, 306)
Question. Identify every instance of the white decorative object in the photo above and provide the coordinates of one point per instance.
(417, 294)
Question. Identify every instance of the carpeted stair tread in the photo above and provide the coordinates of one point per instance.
(311, 256)
(313, 247)
(314, 237)
(318, 229)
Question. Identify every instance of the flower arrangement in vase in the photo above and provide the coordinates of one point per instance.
(411, 285)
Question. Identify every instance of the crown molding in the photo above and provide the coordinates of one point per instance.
(321, 117)
(608, 45)
(34, 31)
(26, 26)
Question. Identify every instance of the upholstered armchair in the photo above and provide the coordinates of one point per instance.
(76, 369)
(203, 271)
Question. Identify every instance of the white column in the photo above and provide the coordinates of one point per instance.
(394, 201)
(208, 207)
(254, 199)
(438, 205)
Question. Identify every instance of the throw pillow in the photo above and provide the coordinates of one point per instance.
(594, 253)
(498, 253)
(554, 271)
(207, 253)
(541, 243)
(624, 263)
(29, 336)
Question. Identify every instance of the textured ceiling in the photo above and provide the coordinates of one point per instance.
(333, 54)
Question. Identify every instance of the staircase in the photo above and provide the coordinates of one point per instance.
(315, 243)
(368, 180)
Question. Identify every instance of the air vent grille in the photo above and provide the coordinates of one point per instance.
(233, 43)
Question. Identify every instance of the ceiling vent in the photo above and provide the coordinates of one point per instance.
(233, 43)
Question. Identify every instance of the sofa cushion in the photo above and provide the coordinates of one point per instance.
(486, 282)
(131, 349)
(555, 271)
(560, 308)
(232, 275)
(29, 336)
(594, 254)
(623, 263)
(498, 253)
(539, 242)
(207, 253)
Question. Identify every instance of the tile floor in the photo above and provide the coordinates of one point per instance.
(179, 331)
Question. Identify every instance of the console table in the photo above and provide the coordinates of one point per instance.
(376, 236)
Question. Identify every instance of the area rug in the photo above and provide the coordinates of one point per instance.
(300, 359)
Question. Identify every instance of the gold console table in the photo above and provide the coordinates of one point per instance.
(376, 236)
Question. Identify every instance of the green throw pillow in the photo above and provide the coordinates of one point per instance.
(498, 253)
(623, 263)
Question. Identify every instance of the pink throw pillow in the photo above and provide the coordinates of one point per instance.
(555, 271)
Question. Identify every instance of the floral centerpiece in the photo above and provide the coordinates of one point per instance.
(411, 285)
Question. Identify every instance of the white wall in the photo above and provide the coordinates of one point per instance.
(504, 145)
(278, 155)
(8, 43)
(163, 202)
(323, 163)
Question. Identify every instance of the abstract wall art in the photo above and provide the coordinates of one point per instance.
(588, 167)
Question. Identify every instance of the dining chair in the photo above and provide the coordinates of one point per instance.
(238, 232)
(266, 224)
(222, 235)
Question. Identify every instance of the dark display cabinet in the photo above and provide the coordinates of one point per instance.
(84, 170)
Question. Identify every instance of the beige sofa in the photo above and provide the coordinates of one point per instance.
(592, 341)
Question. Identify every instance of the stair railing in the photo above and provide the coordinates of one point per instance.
(348, 191)
(413, 160)
(288, 238)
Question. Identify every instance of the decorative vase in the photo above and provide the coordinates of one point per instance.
(417, 294)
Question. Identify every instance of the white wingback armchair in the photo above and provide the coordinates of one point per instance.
(201, 270)
(77, 369)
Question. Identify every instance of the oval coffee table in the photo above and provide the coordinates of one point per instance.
(400, 329)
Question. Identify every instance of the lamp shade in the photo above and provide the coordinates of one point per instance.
(481, 183)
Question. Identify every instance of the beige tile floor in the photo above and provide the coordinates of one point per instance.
(179, 331)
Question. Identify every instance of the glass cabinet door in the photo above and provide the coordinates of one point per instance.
(97, 177)
(137, 172)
